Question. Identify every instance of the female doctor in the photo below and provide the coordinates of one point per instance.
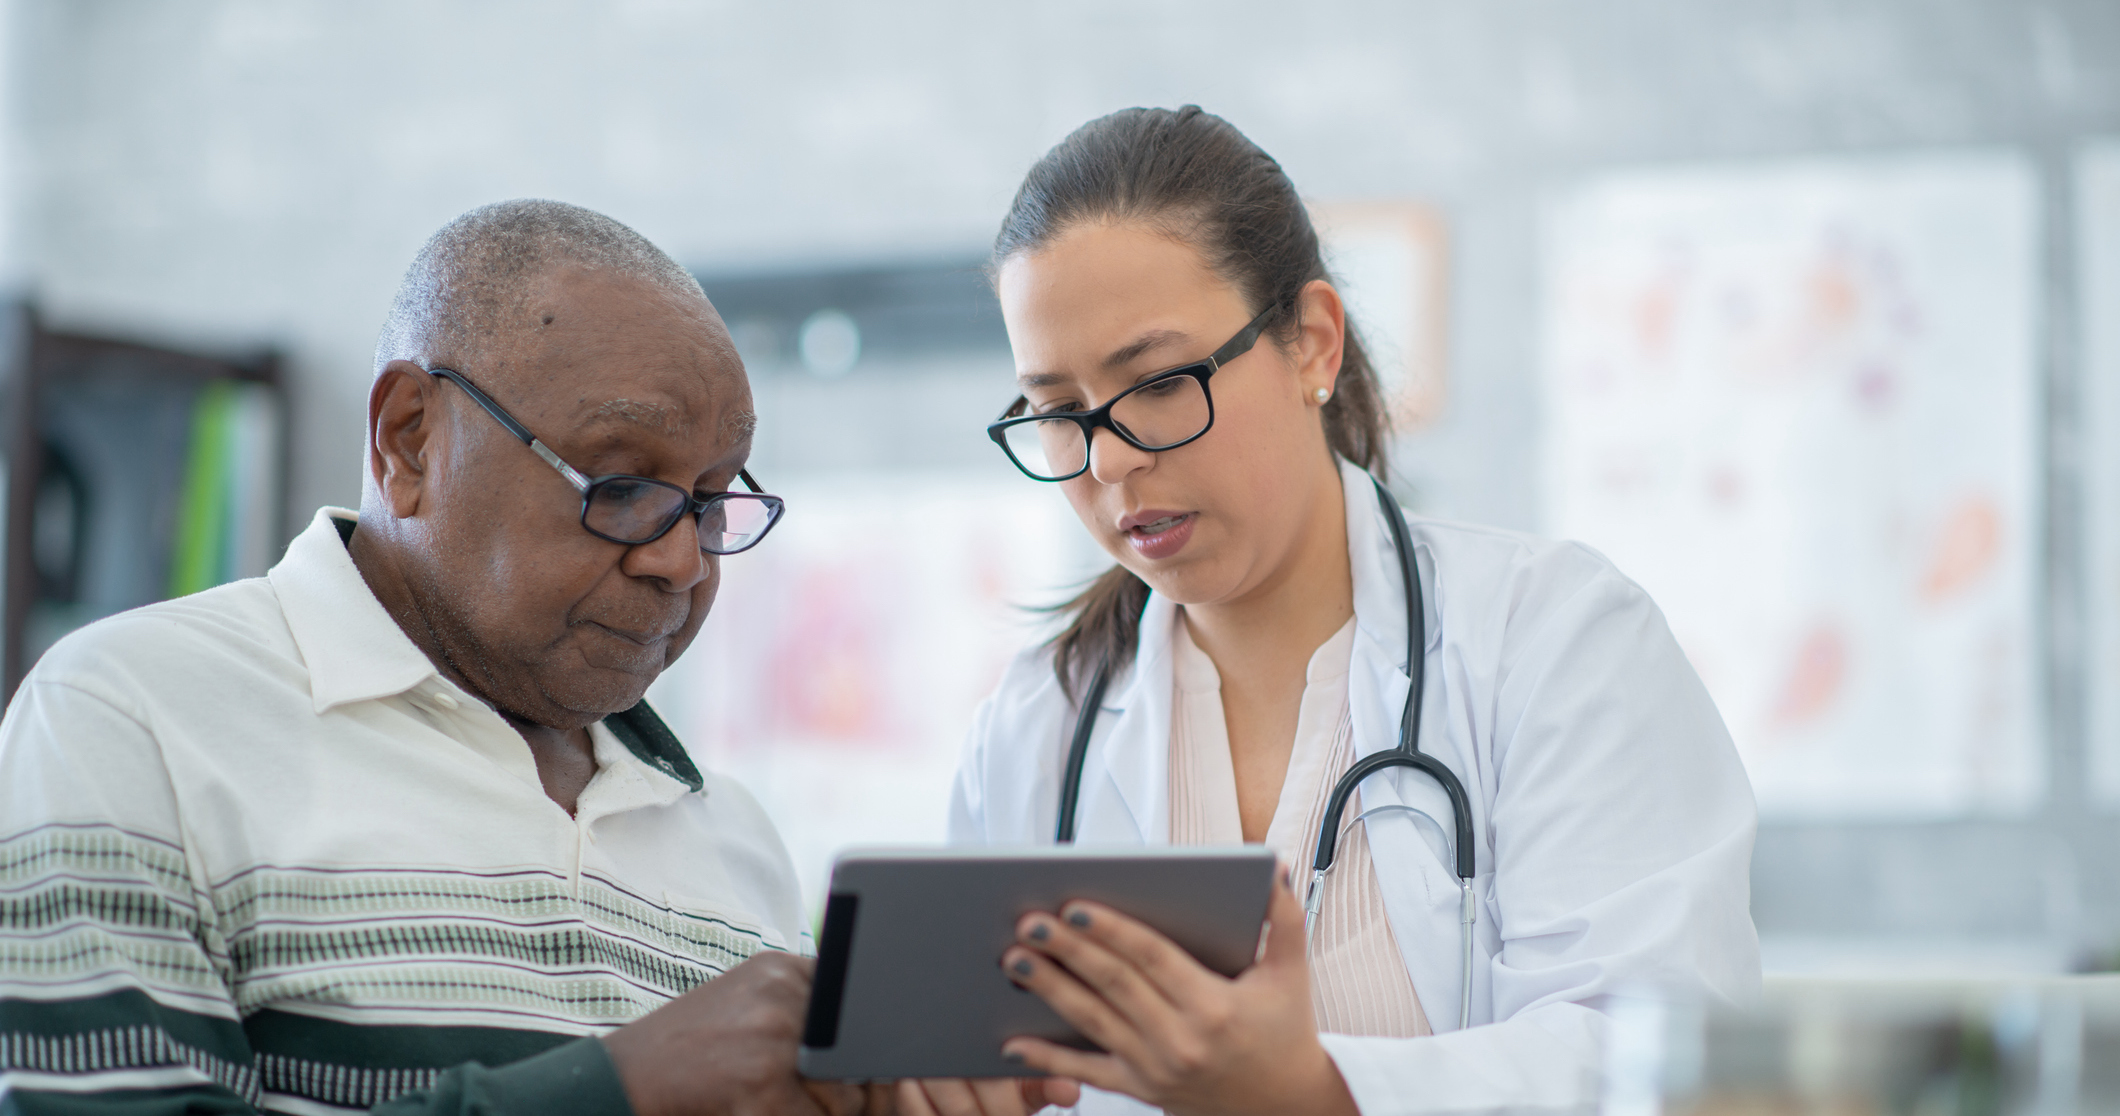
(1189, 379)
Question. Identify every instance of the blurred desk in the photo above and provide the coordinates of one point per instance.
(1854, 1046)
(1901, 957)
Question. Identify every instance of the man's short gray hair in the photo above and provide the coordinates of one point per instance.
(472, 276)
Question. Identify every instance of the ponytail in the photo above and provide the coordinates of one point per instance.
(1105, 628)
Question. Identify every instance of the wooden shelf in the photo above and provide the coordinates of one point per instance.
(108, 422)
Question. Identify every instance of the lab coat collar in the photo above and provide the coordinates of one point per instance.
(1137, 753)
(1420, 892)
(1378, 678)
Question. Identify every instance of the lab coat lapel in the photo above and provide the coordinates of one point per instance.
(1135, 750)
(1420, 890)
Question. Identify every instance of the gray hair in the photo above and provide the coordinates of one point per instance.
(471, 276)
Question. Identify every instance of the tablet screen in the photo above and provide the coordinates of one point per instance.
(909, 980)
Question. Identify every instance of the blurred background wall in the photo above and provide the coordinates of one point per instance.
(229, 173)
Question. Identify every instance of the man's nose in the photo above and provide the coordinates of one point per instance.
(674, 559)
(1112, 458)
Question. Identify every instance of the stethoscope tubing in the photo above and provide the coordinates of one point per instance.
(1407, 754)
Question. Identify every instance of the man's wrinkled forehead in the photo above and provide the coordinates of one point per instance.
(734, 423)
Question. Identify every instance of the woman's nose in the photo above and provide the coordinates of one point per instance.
(1112, 458)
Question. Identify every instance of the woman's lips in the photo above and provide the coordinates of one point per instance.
(1162, 537)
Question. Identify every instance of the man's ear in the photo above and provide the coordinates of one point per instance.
(398, 429)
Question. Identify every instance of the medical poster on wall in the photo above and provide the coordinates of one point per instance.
(2098, 318)
(1797, 404)
(840, 668)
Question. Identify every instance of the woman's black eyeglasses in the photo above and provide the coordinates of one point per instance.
(1163, 412)
(634, 511)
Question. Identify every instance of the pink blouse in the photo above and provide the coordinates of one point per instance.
(1358, 979)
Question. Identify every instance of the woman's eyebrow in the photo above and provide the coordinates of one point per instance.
(1148, 342)
(1120, 357)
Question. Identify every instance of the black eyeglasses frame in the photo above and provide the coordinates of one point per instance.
(695, 506)
(1101, 416)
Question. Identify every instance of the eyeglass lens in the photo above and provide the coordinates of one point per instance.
(733, 522)
(634, 510)
(1158, 414)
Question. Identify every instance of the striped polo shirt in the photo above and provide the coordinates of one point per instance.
(257, 853)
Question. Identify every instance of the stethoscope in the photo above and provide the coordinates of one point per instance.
(1407, 754)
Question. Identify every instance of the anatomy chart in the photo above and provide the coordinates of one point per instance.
(1797, 403)
(838, 673)
(2098, 314)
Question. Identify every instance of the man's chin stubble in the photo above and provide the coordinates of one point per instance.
(589, 704)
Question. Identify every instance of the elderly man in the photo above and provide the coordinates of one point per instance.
(391, 827)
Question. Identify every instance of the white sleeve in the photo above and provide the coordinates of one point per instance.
(1545, 1061)
(1622, 826)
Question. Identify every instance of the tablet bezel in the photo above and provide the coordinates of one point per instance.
(909, 930)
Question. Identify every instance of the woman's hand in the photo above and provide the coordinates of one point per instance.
(1177, 1034)
(1007, 1096)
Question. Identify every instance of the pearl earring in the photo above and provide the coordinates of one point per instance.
(1323, 394)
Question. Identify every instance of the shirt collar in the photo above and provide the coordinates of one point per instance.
(653, 744)
(354, 650)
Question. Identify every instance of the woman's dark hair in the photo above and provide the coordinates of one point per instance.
(1193, 175)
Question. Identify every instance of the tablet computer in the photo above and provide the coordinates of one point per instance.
(909, 980)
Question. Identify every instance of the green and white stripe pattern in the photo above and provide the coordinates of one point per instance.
(256, 852)
(351, 986)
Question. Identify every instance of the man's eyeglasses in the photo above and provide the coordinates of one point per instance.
(1163, 412)
(634, 511)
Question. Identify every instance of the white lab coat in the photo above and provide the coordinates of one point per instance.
(1613, 819)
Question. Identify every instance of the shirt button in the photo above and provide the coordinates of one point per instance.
(442, 698)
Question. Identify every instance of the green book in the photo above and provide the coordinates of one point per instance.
(196, 559)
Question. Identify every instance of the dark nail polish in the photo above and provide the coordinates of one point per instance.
(1040, 931)
(1022, 966)
(1012, 1058)
(1079, 919)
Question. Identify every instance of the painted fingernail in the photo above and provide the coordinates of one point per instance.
(1078, 918)
(1012, 1057)
(1022, 966)
(1040, 931)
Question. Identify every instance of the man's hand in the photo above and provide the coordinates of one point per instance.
(728, 1046)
